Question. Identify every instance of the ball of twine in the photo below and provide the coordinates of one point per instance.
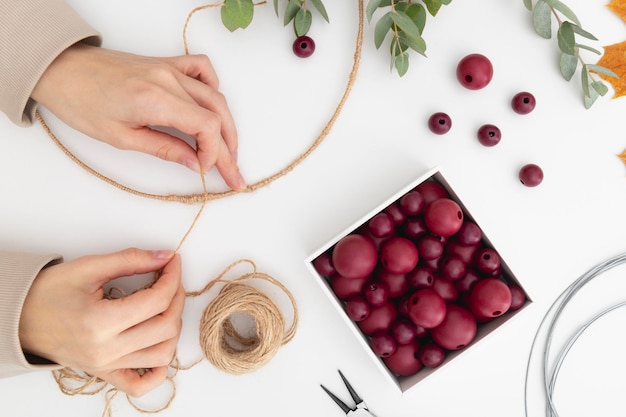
(228, 348)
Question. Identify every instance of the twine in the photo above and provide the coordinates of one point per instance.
(230, 350)
(222, 344)
(200, 197)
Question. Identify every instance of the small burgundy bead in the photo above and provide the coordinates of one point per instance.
(531, 175)
(303, 47)
(523, 103)
(439, 123)
(489, 135)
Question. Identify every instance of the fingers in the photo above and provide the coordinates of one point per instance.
(133, 383)
(104, 268)
(211, 99)
(145, 304)
(164, 146)
(196, 66)
(153, 341)
(150, 357)
(206, 116)
(205, 127)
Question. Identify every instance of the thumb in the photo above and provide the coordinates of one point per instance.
(100, 269)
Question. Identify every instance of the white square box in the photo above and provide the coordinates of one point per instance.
(404, 383)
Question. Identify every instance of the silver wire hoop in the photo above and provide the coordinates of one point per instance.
(555, 311)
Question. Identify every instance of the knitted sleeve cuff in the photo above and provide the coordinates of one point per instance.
(32, 34)
(17, 273)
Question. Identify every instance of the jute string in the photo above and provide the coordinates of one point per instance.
(222, 344)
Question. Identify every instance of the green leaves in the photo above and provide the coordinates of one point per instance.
(542, 19)
(237, 14)
(297, 11)
(404, 22)
(569, 29)
(568, 66)
(382, 28)
(302, 22)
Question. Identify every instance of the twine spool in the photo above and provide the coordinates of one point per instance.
(226, 347)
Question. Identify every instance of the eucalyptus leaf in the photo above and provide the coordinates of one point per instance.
(302, 22)
(584, 78)
(588, 48)
(433, 6)
(394, 50)
(382, 28)
(564, 10)
(400, 5)
(402, 64)
(417, 13)
(406, 25)
(371, 8)
(542, 19)
(397, 46)
(528, 4)
(321, 9)
(600, 87)
(237, 14)
(591, 98)
(568, 64)
(276, 7)
(601, 70)
(419, 47)
(566, 38)
(292, 9)
(580, 31)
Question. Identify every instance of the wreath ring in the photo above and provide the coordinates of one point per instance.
(206, 196)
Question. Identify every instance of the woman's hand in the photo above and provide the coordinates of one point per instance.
(67, 319)
(117, 97)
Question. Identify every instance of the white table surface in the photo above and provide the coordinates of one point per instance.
(549, 235)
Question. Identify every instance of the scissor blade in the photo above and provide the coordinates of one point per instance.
(351, 390)
(340, 403)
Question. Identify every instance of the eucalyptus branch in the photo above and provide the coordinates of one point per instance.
(298, 13)
(569, 27)
(405, 20)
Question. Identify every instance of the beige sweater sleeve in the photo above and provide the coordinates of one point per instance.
(32, 34)
(17, 272)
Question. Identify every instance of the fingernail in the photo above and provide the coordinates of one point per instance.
(192, 164)
(241, 183)
(162, 254)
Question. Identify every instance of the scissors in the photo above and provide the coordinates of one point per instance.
(359, 410)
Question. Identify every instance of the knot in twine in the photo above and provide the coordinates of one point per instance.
(231, 350)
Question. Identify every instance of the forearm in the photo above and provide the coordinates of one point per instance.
(17, 272)
(32, 34)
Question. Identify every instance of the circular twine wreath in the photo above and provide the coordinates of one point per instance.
(206, 195)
